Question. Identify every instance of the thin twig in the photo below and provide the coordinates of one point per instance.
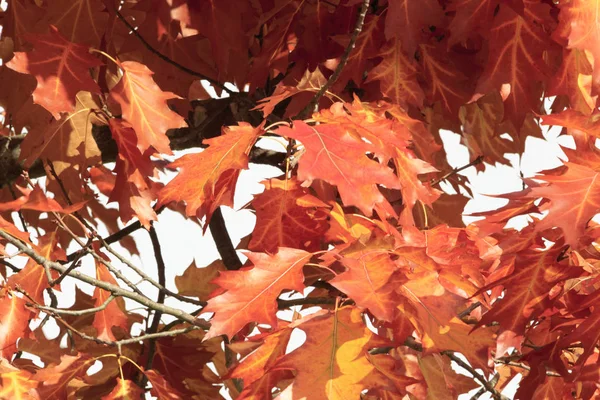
(525, 367)
(468, 311)
(10, 265)
(98, 257)
(455, 171)
(115, 237)
(160, 266)
(146, 277)
(343, 60)
(114, 289)
(170, 61)
(486, 384)
(60, 311)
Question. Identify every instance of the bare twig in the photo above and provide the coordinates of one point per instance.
(343, 60)
(146, 277)
(98, 257)
(115, 237)
(60, 311)
(10, 265)
(468, 311)
(168, 60)
(113, 289)
(525, 367)
(455, 171)
(486, 384)
(160, 266)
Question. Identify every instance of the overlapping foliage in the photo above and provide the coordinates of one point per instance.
(97, 94)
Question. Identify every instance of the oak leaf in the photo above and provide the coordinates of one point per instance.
(145, 107)
(113, 315)
(124, 390)
(207, 179)
(160, 387)
(286, 216)
(14, 322)
(517, 45)
(333, 362)
(251, 293)
(60, 68)
(339, 158)
(197, 281)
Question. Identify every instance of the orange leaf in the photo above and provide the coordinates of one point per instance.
(339, 158)
(197, 282)
(125, 390)
(368, 279)
(527, 289)
(397, 76)
(286, 217)
(145, 107)
(574, 199)
(14, 322)
(251, 293)
(54, 379)
(333, 363)
(442, 382)
(517, 46)
(60, 68)
(113, 315)
(17, 385)
(207, 179)
(160, 387)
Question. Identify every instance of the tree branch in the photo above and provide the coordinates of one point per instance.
(160, 266)
(113, 289)
(455, 171)
(166, 59)
(343, 60)
(223, 241)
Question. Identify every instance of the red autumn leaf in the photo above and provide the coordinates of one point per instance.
(160, 387)
(574, 198)
(81, 21)
(251, 293)
(54, 379)
(333, 363)
(33, 278)
(257, 363)
(111, 316)
(517, 45)
(397, 76)
(335, 156)
(295, 220)
(124, 390)
(60, 68)
(207, 180)
(481, 125)
(145, 107)
(17, 384)
(472, 17)
(574, 79)
(408, 21)
(445, 81)
(528, 291)
(368, 279)
(579, 28)
(14, 322)
(133, 188)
